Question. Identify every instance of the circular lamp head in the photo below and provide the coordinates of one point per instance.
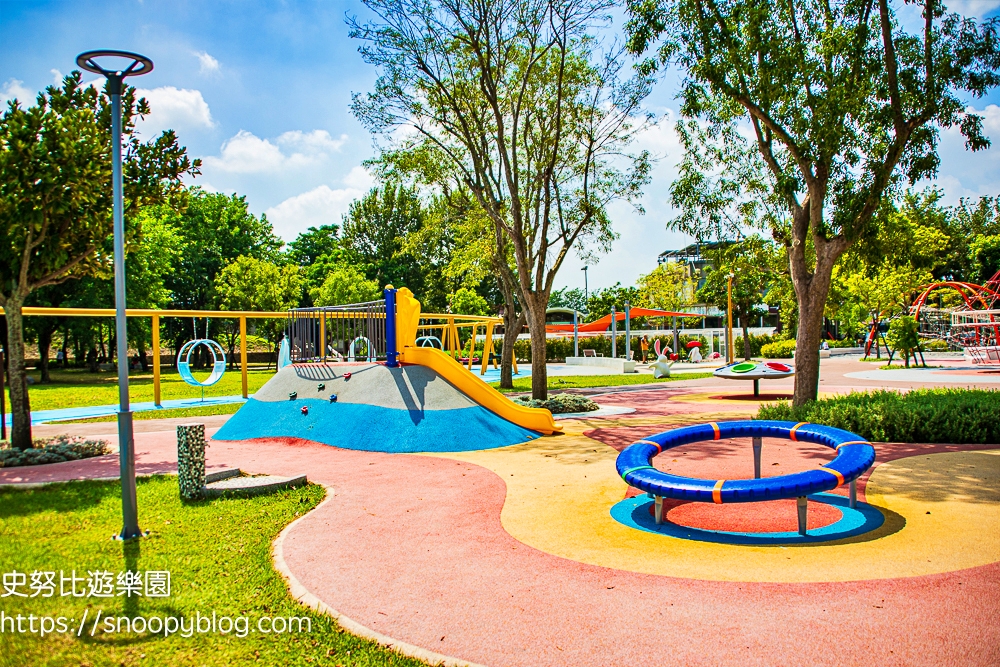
(136, 65)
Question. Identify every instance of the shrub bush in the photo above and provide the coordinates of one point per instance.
(847, 342)
(54, 450)
(781, 349)
(560, 403)
(934, 345)
(757, 342)
(957, 416)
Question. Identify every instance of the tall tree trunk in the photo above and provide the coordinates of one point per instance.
(812, 301)
(44, 347)
(535, 307)
(511, 330)
(20, 407)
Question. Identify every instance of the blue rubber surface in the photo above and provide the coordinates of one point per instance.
(374, 428)
(634, 513)
(634, 464)
(88, 411)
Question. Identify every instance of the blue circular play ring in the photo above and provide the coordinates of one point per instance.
(854, 456)
(635, 513)
(218, 362)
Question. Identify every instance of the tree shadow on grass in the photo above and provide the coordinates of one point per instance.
(57, 497)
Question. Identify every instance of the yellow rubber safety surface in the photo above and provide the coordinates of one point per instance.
(942, 514)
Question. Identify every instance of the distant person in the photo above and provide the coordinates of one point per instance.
(60, 358)
(644, 348)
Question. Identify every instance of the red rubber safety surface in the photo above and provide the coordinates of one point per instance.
(433, 566)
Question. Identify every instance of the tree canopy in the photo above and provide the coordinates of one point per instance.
(514, 99)
(56, 199)
(800, 118)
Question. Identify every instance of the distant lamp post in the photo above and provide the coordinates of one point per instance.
(135, 65)
(586, 292)
(730, 343)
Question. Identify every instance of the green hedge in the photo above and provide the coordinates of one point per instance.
(957, 416)
(781, 349)
(757, 342)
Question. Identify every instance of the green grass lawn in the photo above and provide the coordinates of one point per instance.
(218, 554)
(584, 381)
(76, 388)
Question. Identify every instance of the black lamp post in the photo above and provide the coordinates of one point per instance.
(136, 65)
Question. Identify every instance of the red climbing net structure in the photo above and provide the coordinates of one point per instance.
(974, 326)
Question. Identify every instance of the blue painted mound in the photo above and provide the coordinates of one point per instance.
(374, 428)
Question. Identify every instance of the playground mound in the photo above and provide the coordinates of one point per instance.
(399, 410)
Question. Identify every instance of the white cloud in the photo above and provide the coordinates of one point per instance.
(964, 173)
(175, 108)
(247, 153)
(209, 65)
(312, 143)
(974, 8)
(319, 206)
(14, 89)
(57, 77)
(360, 179)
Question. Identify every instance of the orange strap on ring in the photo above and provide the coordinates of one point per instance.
(659, 447)
(717, 492)
(715, 427)
(852, 442)
(791, 434)
(840, 478)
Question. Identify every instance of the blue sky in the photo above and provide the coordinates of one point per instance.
(261, 92)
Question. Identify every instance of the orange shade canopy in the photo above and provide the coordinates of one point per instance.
(604, 323)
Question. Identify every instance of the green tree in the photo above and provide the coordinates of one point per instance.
(749, 262)
(216, 229)
(904, 337)
(459, 239)
(55, 200)
(375, 228)
(314, 243)
(249, 283)
(316, 250)
(512, 97)
(568, 298)
(346, 284)
(466, 302)
(601, 301)
(670, 286)
(842, 103)
(886, 293)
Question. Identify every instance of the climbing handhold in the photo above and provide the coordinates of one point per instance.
(333, 398)
(305, 409)
(292, 395)
(321, 387)
(347, 376)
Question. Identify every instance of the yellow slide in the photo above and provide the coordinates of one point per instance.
(535, 419)
(407, 322)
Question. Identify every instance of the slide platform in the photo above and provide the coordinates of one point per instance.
(535, 419)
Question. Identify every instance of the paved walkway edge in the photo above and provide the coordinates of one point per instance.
(302, 594)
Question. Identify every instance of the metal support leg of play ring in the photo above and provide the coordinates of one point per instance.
(757, 444)
(658, 500)
(854, 493)
(802, 504)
